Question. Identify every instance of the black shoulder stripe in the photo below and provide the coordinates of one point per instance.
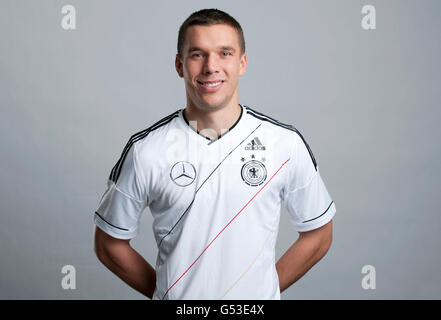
(263, 117)
(136, 137)
(286, 126)
(152, 127)
(276, 121)
(116, 170)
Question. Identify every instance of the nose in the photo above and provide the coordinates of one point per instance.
(211, 64)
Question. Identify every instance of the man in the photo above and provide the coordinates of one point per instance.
(214, 176)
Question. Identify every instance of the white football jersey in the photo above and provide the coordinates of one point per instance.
(215, 204)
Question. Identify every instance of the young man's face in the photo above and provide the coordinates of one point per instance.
(211, 54)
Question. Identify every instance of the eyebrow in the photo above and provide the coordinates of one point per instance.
(228, 48)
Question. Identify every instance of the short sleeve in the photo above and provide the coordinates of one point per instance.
(306, 198)
(120, 208)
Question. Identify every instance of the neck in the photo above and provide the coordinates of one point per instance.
(215, 122)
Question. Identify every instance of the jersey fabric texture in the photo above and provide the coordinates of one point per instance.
(215, 203)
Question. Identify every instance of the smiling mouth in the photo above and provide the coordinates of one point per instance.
(211, 83)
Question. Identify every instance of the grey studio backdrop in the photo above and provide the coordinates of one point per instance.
(367, 102)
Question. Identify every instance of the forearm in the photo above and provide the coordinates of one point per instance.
(131, 267)
(302, 256)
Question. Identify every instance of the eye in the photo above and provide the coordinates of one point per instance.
(225, 53)
(196, 54)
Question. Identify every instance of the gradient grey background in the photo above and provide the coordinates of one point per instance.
(367, 102)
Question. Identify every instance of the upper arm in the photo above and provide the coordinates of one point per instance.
(306, 197)
(119, 211)
(103, 242)
(322, 235)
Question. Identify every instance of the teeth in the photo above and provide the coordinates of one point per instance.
(212, 84)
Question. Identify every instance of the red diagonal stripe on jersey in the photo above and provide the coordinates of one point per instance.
(224, 229)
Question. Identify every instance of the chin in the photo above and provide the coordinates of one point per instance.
(213, 105)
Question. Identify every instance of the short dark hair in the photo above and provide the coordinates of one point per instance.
(208, 17)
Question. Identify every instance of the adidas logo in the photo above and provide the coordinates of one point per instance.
(255, 144)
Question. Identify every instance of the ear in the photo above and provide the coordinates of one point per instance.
(243, 64)
(179, 65)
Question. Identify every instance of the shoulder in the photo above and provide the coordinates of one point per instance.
(285, 132)
(149, 137)
(155, 132)
(271, 123)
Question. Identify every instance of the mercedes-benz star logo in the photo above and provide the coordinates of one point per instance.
(183, 173)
